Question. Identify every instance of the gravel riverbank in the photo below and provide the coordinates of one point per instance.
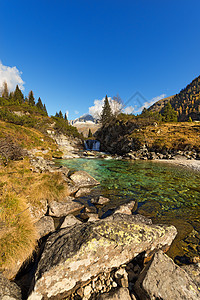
(189, 163)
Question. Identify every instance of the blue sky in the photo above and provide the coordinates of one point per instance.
(73, 52)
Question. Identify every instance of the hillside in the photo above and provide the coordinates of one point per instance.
(127, 134)
(27, 178)
(186, 103)
(159, 105)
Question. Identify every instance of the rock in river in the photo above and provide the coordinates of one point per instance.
(83, 179)
(75, 255)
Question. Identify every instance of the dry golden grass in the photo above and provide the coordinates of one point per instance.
(28, 138)
(17, 233)
(171, 135)
(19, 187)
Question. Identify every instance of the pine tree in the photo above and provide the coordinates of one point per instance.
(45, 110)
(5, 93)
(60, 114)
(89, 133)
(31, 99)
(39, 104)
(169, 114)
(65, 117)
(18, 97)
(106, 115)
(57, 115)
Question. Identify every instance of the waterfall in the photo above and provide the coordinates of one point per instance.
(92, 145)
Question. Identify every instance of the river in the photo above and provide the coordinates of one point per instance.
(166, 194)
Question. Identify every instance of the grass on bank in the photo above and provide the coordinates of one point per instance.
(178, 136)
(20, 188)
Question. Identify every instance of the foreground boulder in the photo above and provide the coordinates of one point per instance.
(73, 256)
(162, 279)
(9, 290)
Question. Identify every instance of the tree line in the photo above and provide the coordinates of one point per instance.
(17, 98)
(168, 114)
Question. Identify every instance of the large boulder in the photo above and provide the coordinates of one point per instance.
(162, 279)
(9, 290)
(75, 255)
(64, 208)
(83, 179)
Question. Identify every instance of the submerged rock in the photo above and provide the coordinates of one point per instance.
(163, 279)
(76, 255)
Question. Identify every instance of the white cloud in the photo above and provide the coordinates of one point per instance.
(128, 110)
(96, 109)
(12, 76)
(147, 104)
(76, 112)
(151, 102)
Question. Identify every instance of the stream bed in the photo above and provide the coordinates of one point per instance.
(165, 193)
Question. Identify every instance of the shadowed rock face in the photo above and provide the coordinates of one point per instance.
(163, 279)
(80, 253)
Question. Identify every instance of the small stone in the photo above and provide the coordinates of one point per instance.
(80, 292)
(99, 200)
(121, 277)
(125, 208)
(87, 290)
(44, 226)
(69, 221)
(114, 284)
(82, 192)
(64, 208)
(93, 217)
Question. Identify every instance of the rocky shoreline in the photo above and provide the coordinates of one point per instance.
(81, 256)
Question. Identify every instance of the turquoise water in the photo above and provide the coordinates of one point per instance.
(165, 193)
